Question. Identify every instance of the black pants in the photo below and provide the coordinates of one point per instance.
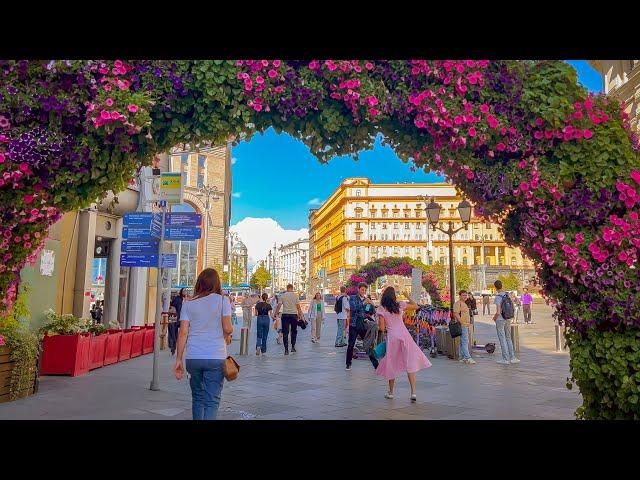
(526, 310)
(353, 335)
(289, 321)
(173, 336)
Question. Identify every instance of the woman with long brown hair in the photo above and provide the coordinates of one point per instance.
(205, 332)
(402, 352)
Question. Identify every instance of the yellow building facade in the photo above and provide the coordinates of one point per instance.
(621, 80)
(362, 221)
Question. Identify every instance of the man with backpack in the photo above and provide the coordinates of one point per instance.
(503, 316)
(341, 307)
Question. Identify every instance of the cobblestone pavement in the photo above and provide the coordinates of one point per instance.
(313, 384)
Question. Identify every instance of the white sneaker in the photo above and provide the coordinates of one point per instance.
(515, 360)
(503, 362)
(471, 361)
(388, 395)
(462, 360)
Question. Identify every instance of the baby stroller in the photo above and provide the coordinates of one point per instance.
(362, 347)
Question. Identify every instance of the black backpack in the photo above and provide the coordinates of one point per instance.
(338, 306)
(507, 307)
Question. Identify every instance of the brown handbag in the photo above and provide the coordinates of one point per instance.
(231, 369)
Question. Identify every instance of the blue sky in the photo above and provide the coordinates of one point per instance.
(276, 177)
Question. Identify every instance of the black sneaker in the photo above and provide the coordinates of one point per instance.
(293, 349)
(286, 352)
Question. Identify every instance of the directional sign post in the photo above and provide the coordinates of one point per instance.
(155, 381)
(169, 260)
(182, 233)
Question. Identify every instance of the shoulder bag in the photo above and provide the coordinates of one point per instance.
(230, 368)
(455, 327)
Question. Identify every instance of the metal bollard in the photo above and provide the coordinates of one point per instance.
(244, 341)
(561, 343)
(515, 337)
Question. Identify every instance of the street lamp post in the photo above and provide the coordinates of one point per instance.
(209, 193)
(425, 199)
(433, 213)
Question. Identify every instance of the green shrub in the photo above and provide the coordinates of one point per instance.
(606, 368)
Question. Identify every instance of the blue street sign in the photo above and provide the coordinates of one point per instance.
(135, 260)
(163, 203)
(189, 233)
(169, 260)
(147, 232)
(138, 219)
(183, 219)
(141, 247)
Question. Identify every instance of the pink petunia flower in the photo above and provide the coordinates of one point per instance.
(132, 108)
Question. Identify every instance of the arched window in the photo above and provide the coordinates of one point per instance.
(357, 193)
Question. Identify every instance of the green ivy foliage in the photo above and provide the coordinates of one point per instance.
(606, 368)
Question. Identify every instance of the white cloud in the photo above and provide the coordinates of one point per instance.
(236, 194)
(314, 201)
(259, 235)
(233, 160)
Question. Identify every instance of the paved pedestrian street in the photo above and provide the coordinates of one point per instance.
(313, 384)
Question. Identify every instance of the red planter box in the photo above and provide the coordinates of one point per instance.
(97, 347)
(65, 355)
(125, 344)
(112, 347)
(149, 336)
(136, 343)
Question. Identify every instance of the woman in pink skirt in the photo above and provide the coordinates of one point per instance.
(403, 354)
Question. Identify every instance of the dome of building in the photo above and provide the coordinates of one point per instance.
(239, 248)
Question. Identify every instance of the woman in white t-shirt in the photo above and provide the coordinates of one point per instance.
(205, 331)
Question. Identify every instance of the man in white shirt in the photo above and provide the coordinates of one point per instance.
(343, 304)
(289, 303)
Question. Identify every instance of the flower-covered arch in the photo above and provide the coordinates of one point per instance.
(557, 167)
(402, 266)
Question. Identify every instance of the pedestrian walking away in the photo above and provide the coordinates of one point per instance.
(462, 314)
(402, 352)
(316, 317)
(341, 307)
(263, 322)
(502, 318)
(526, 301)
(205, 332)
(356, 323)
(516, 305)
(277, 322)
(174, 327)
(486, 306)
(289, 304)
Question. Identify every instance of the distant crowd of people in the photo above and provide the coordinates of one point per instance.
(205, 329)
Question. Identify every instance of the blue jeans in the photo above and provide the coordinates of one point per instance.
(503, 328)
(340, 333)
(262, 332)
(464, 344)
(206, 387)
